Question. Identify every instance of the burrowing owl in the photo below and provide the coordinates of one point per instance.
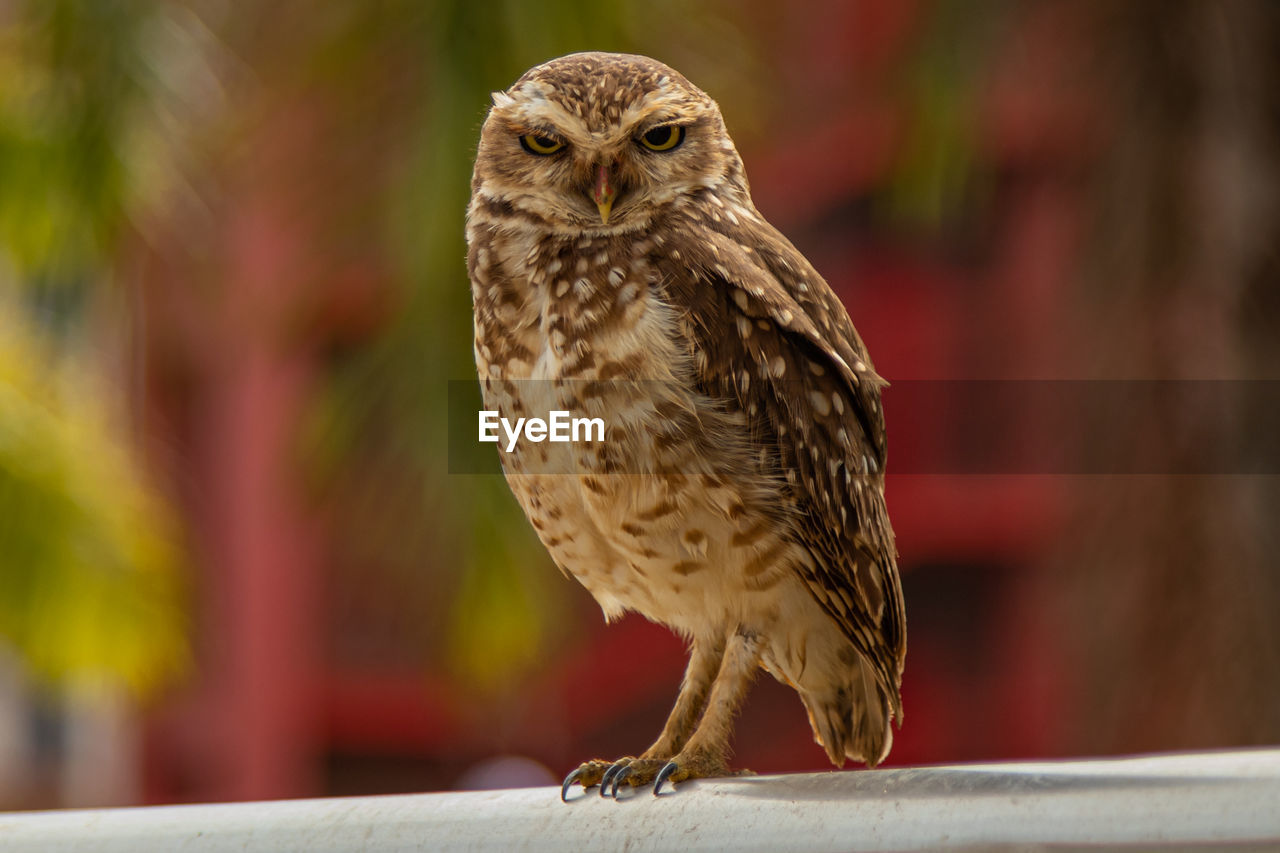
(619, 268)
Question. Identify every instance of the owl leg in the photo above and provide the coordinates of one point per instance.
(707, 751)
(704, 662)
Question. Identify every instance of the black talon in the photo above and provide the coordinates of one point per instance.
(604, 780)
(569, 780)
(617, 780)
(615, 769)
(663, 775)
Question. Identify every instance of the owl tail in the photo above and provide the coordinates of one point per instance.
(853, 720)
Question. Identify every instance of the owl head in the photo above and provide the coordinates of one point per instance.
(601, 142)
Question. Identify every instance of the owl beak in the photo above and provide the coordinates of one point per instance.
(603, 193)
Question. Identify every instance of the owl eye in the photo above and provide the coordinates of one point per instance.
(536, 143)
(663, 138)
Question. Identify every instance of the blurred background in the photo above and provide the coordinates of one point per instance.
(233, 563)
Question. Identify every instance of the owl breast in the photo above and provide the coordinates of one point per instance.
(672, 515)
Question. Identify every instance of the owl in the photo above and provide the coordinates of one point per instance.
(620, 270)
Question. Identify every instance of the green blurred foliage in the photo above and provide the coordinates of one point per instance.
(89, 567)
(68, 84)
(938, 178)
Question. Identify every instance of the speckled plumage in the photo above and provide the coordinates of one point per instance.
(738, 497)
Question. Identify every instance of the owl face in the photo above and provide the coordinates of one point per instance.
(600, 142)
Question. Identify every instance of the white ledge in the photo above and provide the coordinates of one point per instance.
(1204, 800)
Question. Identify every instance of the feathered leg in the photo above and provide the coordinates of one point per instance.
(707, 751)
(704, 662)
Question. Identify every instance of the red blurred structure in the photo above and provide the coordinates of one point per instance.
(270, 718)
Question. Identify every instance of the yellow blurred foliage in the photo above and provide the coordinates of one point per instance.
(89, 565)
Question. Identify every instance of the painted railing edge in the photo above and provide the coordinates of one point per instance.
(1179, 800)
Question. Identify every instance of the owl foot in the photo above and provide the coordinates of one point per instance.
(635, 772)
(611, 775)
(695, 765)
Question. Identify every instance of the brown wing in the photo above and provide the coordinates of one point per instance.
(768, 332)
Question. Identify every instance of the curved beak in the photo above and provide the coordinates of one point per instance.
(603, 193)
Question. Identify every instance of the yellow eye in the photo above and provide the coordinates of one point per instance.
(536, 143)
(663, 138)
